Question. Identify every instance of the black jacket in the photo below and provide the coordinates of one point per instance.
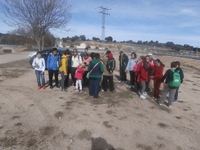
(168, 76)
(123, 61)
(181, 74)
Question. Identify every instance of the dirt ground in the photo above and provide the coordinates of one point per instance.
(34, 119)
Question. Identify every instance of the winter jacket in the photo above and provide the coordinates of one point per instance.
(137, 68)
(123, 61)
(39, 64)
(144, 74)
(131, 64)
(168, 77)
(97, 71)
(87, 61)
(158, 72)
(181, 73)
(76, 60)
(79, 73)
(64, 66)
(52, 62)
(104, 60)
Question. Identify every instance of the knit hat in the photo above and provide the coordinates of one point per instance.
(110, 55)
(121, 52)
(108, 52)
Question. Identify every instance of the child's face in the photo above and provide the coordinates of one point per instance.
(39, 55)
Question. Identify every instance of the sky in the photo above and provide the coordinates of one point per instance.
(177, 21)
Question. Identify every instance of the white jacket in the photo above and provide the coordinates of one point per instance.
(76, 61)
(38, 64)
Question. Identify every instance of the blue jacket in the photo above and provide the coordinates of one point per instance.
(53, 62)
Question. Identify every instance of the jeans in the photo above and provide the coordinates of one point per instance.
(176, 94)
(143, 87)
(171, 95)
(39, 76)
(62, 82)
(51, 73)
(94, 87)
(132, 77)
(105, 83)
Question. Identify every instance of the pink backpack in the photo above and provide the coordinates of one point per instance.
(137, 69)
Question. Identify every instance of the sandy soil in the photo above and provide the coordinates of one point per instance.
(53, 120)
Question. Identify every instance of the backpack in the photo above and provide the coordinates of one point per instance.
(176, 82)
(110, 66)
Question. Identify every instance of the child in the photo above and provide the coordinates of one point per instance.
(168, 78)
(131, 63)
(181, 76)
(39, 66)
(158, 74)
(143, 76)
(79, 76)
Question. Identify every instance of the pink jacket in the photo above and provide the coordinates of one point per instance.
(87, 61)
(79, 73)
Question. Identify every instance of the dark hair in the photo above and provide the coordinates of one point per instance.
(54, 49)
(67, 52)
(92, 55)
(158, 60)
(146, 64)
(85, 54)
(97, 55)
(178, 63)
(86, 48)
(135, 55)
(173, 64)
(75, 50)
(142, 57)
(38, 53)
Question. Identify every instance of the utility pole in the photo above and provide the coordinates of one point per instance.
(103, 11)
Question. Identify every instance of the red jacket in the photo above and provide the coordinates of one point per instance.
(79, 73)
(158, 72)
(144, 74)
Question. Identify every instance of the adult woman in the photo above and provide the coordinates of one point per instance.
(131, 63)
(146, 67)
(76, 60)
(96, 69)
(158, 74)
(86, 61)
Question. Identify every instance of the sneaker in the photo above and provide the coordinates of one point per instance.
(142, 97)
(81, 91)
(160, 104)
(175, 101)
(145, 93)
(120, 81)
(113, 91)
(125, 82)
(170, 106)
(43, 87)
(39, 87)
(103, 91)
(57, 87)
(50, 88)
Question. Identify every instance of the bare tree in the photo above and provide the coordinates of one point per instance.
(39, 16)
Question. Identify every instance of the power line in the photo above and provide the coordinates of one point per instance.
(104, 12)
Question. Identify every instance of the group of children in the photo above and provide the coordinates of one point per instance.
(89, 70)
(144, 69)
